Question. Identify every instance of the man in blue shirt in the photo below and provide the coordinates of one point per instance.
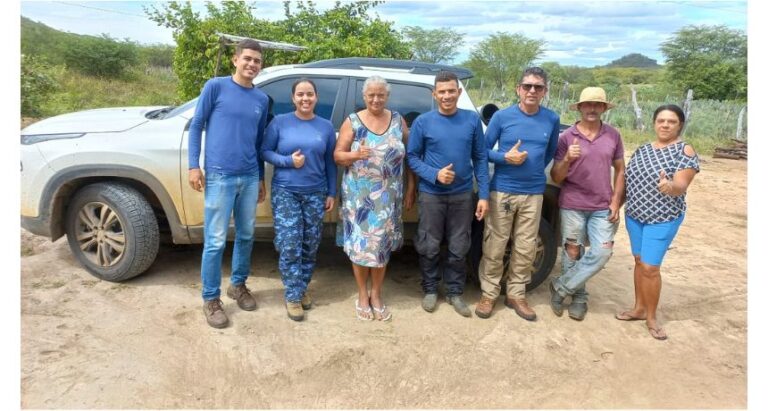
(233, 114)
(521, 141)
(445, 148)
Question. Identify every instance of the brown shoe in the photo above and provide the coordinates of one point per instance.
(306, 301)
(242, 295)
(295, 312)
(521, 308)
(484, 308)
(215, 314)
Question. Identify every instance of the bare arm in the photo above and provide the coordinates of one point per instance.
(682, 179)
(410, 177)
(618, 190)
(559, 170)
(342, 154)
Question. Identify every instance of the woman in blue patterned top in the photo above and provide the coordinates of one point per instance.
(300, 146)
(657, 178)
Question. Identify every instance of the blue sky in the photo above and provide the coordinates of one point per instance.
(576, 33)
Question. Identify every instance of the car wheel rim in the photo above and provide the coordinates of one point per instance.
(100, 234)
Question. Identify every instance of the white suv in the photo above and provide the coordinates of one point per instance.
(114, 180)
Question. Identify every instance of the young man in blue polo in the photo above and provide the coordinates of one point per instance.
(445, 148)
(233, 113)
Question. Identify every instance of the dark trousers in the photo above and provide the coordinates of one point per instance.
(446, 217)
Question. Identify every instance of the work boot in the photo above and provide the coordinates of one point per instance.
(295, 311)
(485, 307)
(306, 301)
(577, 311)
(520, 305)
(459, 305)
(555, 300)
(215, 314)
(429, 302)
(242, 295)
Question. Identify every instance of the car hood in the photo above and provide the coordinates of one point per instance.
(103, 120)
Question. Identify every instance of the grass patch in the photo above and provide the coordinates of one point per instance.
(140, 87)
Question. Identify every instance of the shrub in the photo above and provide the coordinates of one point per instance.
(37, 84)
(100, 56)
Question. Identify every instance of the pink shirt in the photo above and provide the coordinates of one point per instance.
(588, 185)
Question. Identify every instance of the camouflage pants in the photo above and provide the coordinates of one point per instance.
(298, 230)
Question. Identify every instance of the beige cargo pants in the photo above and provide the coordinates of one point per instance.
(510, 217)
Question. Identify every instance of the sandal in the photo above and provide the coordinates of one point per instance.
(658, 333)
(383, 313)
(626, 316)
(363, 314)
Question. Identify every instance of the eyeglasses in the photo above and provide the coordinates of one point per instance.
(536, 87)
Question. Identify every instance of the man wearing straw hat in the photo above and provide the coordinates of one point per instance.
(589, 205)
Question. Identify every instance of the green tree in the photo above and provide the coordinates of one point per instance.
(433, 46)
(342, 31)
(100, 56)
(710, 60)
(502, 57)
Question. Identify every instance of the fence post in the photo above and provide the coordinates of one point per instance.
(546, 98)
(740, 123)
(638, 111)
(687, 110)
(564, 98)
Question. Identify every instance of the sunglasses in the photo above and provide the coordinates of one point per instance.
(537, 87)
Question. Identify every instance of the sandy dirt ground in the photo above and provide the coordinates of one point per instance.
(87, 343)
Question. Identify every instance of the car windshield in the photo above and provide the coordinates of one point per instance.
(171, 111)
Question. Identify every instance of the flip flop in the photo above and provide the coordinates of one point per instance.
(363, 314)
(658, 333)
(626, 316)
(382, 314)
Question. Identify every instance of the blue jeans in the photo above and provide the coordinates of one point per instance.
(298, 230)
(226, 195)
(576, 227)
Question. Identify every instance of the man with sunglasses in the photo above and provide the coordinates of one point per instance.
(521, 141)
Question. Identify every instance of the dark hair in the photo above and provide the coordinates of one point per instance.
(445, 75)
(673, 108)
(247, 44)
(534, 71)
(303, 80)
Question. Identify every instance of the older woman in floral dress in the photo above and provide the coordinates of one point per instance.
(371, 145)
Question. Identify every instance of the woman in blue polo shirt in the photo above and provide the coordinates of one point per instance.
(300, 147)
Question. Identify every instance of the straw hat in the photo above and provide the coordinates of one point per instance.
(593, 94)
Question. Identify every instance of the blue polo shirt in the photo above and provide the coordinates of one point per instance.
(316, 139)
(436, 140)
(538, 134)
(234, 118)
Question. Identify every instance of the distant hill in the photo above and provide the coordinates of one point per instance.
(634, 60)
(40, 40)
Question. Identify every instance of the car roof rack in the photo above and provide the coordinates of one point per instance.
(407, 66)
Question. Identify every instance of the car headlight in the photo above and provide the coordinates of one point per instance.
(38, 138)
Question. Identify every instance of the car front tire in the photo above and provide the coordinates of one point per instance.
(112, 231)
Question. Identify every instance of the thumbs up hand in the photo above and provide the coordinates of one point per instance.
(446, 174)
(298, 159)
(666, 186)
(574, 151)
(513, 156)
(363, 151)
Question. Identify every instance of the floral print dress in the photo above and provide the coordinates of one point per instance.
(370, 227)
